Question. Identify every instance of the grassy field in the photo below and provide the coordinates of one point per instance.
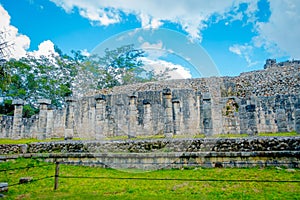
(148, 185)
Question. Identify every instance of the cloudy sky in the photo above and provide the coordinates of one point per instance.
(198, 37)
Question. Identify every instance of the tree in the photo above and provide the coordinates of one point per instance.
(44, 77)
(4, 53)
(120, 66)
(4, 45)
(58, 76)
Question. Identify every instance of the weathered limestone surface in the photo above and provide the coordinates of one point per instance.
(165, 153)
(43, 118)
(297, 121)
(17, 122)
(259, 101)
(251, 144)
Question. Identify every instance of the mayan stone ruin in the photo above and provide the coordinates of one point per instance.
(267, 100)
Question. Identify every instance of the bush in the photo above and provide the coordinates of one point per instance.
(29, 111)
(7, 108)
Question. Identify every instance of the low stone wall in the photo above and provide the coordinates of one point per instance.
(154, 161)
(249, 144)
(165, 153)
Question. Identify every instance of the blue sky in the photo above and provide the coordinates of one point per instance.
(211, 37)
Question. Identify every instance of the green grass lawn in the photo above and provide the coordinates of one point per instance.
(144, 187)
(31, 140)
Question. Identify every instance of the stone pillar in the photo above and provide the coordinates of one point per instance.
(70, 115)
(50, 124)
(251, 117)
(100, 116)
(207, 115)
(147, 121)
(198, 107)
(17, 121)
(110, 122)
(132, 118)
(281, 120)
(214, 85)
(168, 114)
(176, 116)
(297, 121)
(42, 123)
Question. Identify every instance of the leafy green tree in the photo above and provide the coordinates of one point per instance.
(7, 108)
(58, 76)
(34, 78)
(120, 66)
(5, 78)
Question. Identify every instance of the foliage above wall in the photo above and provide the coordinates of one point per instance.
(59, 75)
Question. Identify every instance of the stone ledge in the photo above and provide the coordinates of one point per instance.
(150, 161)
(44, 101)
(295, 154)
(17, 102)
(252, 144)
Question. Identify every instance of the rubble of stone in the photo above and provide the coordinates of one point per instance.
(255, 144)
(259, 101)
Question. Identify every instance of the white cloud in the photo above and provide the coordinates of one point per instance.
(192, 15)
(235, 49)
(154, 50)
(159, 66)
(46, 48)
(147, 45)
(17, 43)
(243, 51)
(85, 52)
(281, 34)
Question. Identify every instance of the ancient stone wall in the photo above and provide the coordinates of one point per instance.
(265, 144)
(164, 153)
(259, 101)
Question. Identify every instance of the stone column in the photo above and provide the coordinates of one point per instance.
(70, 115)
(168, 114)
(176, 116)
(42, 123)
(198, 106)
(297, 121)
(132, 118)
(281, 120)
(251, 117)
(207, 115)
(17, 121)
(50, 124)
(147, 121)
(110, 123)
(100, 116)
(214, 84)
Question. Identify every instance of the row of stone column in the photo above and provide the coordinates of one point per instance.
(172, 117)
(17, 132)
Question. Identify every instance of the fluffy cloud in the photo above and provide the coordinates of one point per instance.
(159, 66)
(282, 30)
(17, 43)
(192, 15)
(46, 48)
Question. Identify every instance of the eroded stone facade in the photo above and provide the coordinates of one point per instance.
(259, 101)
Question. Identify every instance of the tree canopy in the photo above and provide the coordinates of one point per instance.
(59, 75)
